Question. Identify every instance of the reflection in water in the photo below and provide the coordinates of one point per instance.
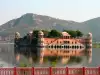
(51, 56)
(8, 60)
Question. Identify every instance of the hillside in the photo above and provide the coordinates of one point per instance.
(30, 21)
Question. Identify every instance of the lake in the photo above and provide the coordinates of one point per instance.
(7, 58)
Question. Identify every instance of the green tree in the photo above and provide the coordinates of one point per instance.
(72, 33)
(35, 33)
(79, 33)
(54, 33)
(76, 33)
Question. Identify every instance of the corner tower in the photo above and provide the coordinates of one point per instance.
(89, 46)
(41, 46)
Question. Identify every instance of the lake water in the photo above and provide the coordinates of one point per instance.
(7, 58)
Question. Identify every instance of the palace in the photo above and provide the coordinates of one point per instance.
(64, 46)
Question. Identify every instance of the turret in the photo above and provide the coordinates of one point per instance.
(89, 46)
(41, 46)
(17, 39)
(30, 36)
(89, 40)
(17, 35)
(16, 45)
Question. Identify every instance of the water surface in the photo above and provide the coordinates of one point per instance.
(7, 57)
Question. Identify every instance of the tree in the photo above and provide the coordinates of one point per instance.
(35, 33)
(54, 33)
(79, 33)
(72, 33)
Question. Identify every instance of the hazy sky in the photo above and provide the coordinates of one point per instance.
(76, 10)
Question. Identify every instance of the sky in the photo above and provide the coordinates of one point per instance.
(76, 10)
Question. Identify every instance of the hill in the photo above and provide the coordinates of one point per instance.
(31, 21)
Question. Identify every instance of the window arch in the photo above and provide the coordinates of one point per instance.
(72, 47)
(75, 42)
(60, 46)
(80, 47)
(51, 46)
(68, 42)
(77, 47)
(55, 46)
(68, 47)
(64, 46)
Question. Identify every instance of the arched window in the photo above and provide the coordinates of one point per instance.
(59, 46)
(80, 47)
(75, 42)
(77, 47)
(64, 46)
(68, 42)
(68, 47)
(51, 46)
(72, 47)
(60, 41)
(66, 37)
(55, 46)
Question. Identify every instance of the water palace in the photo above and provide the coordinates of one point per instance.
(64, 46)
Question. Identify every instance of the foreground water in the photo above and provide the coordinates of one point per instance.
(7, 58)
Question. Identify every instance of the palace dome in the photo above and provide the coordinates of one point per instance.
(90, 34)
(65, 34)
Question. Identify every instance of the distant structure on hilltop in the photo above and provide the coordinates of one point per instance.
(64, 46)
